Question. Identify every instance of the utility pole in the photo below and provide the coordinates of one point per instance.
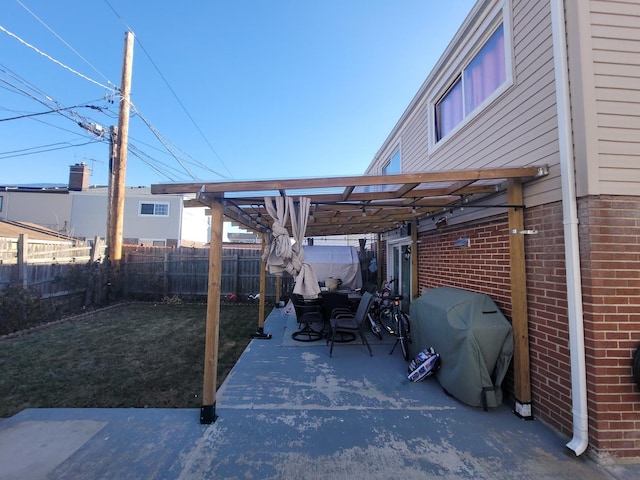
(113, 153)
(119, 161)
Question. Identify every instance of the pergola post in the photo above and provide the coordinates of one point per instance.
(208, 408)
(263, 290)
(379, 260)
(415, 292)
(278, 279)
(519, 317)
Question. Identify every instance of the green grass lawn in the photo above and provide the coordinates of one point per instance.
(135, 355)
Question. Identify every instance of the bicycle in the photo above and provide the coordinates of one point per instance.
(380, 302)
(396, 322)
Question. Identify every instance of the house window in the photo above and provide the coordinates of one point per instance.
(393, 165)
(0, 203)
(156, 209)
(479, 79)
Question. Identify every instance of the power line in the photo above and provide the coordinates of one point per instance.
(45, 148)
(50, 111)
(175, 95)
(49, 57)
(57, 107)
(65, 42)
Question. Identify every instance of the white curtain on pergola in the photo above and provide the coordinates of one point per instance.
(281, 254)
(277, 252)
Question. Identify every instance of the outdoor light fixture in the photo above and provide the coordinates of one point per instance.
(462, 242)
(407, 252)
(364, 211)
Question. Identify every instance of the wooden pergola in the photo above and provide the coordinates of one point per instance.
(366, 204)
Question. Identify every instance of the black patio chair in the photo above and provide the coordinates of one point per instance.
(332, 304)
(308, 312)
(343, 322)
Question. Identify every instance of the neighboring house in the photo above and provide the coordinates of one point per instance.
(11, 231)
(557, 83)
(80, 210)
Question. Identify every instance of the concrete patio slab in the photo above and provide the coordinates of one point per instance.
(291, 412)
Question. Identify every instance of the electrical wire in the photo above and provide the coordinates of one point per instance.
(29, 115)
(66, 44)
(14, 154)
(83, 121)
(175, 95)
(49, 57)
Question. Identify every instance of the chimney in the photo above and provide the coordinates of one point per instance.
(79, 177)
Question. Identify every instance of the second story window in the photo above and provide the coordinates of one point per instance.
(479, 79)
(393, 165)
(156, 209)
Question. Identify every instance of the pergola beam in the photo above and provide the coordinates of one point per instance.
(350, 181)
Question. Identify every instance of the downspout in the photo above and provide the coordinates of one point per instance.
(580, 440)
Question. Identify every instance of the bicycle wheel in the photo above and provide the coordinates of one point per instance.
(403, 334)
(386, 320)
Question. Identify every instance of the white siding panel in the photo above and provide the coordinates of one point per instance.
(615, 33)
(602, 57)
(614, 70)
(625, 150)
(629, 109)
(612, 7)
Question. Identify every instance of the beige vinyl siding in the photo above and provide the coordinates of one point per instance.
(518, 128)
(615, 37)
(415, 142)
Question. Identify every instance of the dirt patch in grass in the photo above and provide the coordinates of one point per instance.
(135, 355)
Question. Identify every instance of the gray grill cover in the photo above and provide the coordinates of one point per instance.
(473, 338)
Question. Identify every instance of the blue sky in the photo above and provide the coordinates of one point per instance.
(242, 89)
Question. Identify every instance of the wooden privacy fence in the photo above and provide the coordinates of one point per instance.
(183, 271)
(45, 265)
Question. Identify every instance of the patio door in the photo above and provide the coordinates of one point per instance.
(399, 268)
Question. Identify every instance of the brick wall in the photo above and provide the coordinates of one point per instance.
(610, 244)
(550, 361)
(610, 262)
(481, 267)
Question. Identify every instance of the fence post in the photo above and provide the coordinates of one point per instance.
(165, 276)
(95, 250)
(23, 243)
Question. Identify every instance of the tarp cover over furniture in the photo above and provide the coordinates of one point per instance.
(335, 261)
(473, 338)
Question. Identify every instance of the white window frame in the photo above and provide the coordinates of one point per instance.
(155, 204)
(398, 245)
(501, 14)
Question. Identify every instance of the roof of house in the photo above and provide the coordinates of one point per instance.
(11, 229)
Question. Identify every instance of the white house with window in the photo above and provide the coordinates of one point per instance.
(158, 220)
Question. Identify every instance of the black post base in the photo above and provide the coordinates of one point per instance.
(208, 414)
(260, 335)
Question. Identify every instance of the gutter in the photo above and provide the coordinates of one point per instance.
(580, 440)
